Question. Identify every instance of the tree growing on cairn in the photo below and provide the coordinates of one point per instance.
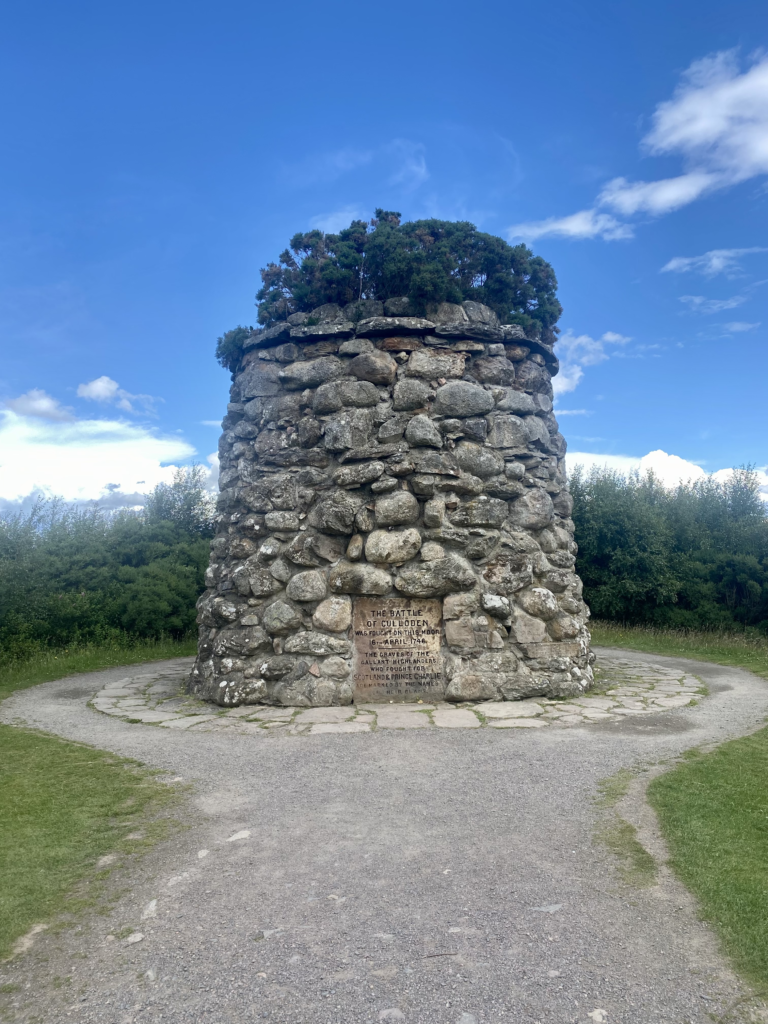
(427, 261)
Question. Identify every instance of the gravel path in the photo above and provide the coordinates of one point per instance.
(432, 875)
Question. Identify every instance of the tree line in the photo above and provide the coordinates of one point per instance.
(72, 575)
(693, 556)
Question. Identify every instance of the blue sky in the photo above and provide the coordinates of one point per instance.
(155, 156)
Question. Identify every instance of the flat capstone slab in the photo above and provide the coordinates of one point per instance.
(625, 688)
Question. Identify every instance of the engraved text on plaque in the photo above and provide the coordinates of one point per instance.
(397, 650)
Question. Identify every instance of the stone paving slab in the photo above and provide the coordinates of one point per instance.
(625, 688)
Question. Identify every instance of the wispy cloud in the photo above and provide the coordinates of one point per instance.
(700, 304)
(336, 219)
(739, 327)
(401, 163)
(584, 224)
(716, 121)
(572, 412)
(716, 261)
(327, 166)
(108, 392)
(410, 164)
(575, 351)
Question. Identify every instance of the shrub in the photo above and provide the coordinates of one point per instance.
(689, 557)
(430, 261)
(73, 576)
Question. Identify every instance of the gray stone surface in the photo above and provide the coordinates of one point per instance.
(281, 618)
(359, 578)
(422, 431)
(373, 453)
(348, 881)
(393, 547)
(411, 394)
(307, 586)
(334, 614)
(436, 578)
(460, 398)
(432, 365)
(376, 367)
(397, 509)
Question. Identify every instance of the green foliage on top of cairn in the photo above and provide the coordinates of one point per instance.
(692, 557)
(430, 261)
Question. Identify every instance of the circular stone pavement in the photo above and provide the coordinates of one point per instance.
(441, 876)
(624, 687)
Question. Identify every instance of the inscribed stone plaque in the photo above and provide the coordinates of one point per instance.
(397, 650)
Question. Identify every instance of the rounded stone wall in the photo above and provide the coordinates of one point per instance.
(394, 516)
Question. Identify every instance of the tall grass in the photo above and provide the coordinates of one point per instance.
(44, 665)
(738, 648)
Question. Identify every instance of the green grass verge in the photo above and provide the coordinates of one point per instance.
(713, 810)
(55, 664)
(741, 650)
(62, 807)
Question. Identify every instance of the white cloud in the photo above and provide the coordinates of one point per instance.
(577, 351)
(716, 121)
(104, 389)
(400, 162)
(738, 327)
(655, 197)
(700, 304)
(716, 261)
(585, 224)
(717, 118)
(336, 220)
(671, 470)
(83, 460)
(573, 412)
(212, 472)
(39, 404)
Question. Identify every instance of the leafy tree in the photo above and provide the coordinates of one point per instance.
(184, 502)
(430, 261)
(70, 575)
(695, 555)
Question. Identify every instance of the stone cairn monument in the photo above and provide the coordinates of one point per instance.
(394, 516)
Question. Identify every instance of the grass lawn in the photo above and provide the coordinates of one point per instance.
(713, 807)
(64, 805)
(739, 650)
(713, 810)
